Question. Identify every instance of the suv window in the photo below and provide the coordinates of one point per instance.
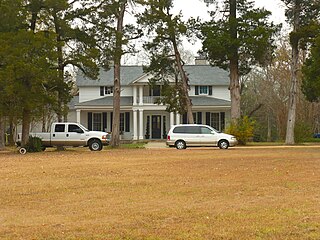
(179, 129)
(193, 130)
(59, 128)
(187, 129)
(205, 130)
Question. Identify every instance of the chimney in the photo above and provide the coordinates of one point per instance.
(201, 60)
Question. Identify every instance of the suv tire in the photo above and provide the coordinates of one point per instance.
(223, 144)
(180, 144)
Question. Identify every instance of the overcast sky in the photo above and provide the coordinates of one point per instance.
(195, 8)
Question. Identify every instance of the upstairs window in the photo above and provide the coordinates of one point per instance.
(203, 90)
(106, 90)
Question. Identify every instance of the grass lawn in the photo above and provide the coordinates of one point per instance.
(197, 193)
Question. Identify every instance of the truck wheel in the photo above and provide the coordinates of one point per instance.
(95, 145)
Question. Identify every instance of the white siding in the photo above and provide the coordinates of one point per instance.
(220, 92)
(89, 93)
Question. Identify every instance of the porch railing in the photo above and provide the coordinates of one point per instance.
(149, 99)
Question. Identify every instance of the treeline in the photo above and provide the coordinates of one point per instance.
(40, 40)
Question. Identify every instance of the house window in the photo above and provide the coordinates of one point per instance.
(107, 90)
(203, 90)
(97, 122)
(216, 120)
(125, 122)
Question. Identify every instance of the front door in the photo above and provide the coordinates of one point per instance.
(156, 127)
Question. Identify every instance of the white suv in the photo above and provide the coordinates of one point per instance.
(187, 135)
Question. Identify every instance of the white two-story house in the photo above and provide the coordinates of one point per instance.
(141, 118)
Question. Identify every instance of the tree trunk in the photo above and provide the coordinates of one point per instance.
(185, 85)
(2, 133)
(60, 65)
(292, 105)
(269, 131)
(115, 136)
(12, 131)
(25, 126)
(234, 86)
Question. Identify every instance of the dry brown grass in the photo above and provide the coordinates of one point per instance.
(241, 193)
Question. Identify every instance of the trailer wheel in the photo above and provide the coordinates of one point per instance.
(22, 151)
(95, 145)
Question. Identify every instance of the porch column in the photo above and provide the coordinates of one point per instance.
(140, 95)
(141, 124)
(135, 124)
(78, 116)
(134, 95)
(177, 118)
(171, 119)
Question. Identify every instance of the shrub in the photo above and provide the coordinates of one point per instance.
(302, 132)
(242, 129)
(34, 145)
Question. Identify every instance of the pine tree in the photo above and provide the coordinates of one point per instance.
(242, 38)
(114, 39)
(165, 61)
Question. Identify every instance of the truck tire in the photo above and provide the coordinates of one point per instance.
(95, 145)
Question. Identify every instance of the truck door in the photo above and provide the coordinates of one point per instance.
(58, 136)
(75, 136)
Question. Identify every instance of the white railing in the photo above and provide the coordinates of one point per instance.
(148, 99)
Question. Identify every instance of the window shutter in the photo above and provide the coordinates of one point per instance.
(101, 91)
(222, 121)
(104, 121)
(210, 90)
(127, 122)
(197, 90)
(199, 116)
(90, 121)
(208, 118)
(111, 120)
(184, 118)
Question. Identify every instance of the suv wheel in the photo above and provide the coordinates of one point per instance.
(223, 144)
(180, 145)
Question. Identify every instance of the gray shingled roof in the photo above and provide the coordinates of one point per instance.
(107, 101)
(127, 101)
(209, 101)
(198, 75)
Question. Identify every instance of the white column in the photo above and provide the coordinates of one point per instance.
(177, 118)
(78, 116)
(134, 95)
(135, 124)
(140, 95)
(171, 119)
(141, 124)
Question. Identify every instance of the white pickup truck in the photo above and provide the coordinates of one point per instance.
(72, 134)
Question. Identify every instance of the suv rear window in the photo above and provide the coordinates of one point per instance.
(187, 129)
